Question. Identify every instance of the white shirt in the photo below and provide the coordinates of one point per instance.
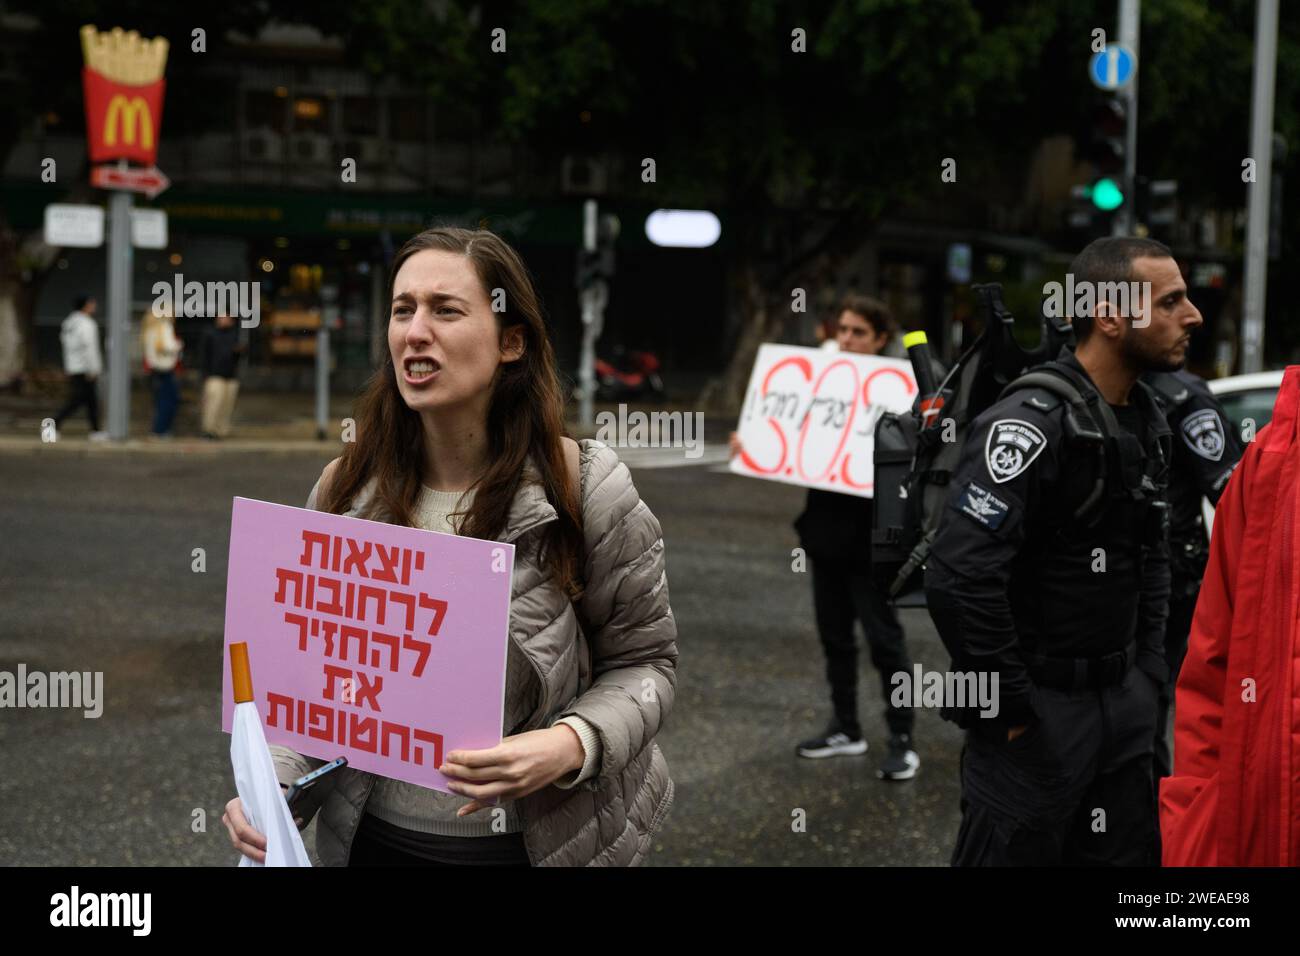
(80, 337)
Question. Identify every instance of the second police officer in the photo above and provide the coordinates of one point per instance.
(1206, 449)
(1050, 570)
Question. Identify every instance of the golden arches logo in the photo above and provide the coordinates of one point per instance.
(124, 114)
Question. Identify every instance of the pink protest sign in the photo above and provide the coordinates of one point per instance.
(383, 644)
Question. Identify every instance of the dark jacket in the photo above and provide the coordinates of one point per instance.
(219, 351)
(835, 526)
(1013, 573)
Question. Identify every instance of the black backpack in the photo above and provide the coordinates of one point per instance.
(914, 463)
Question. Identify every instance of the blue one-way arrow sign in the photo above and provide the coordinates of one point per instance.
(1113, 67)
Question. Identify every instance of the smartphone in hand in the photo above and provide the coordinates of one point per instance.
(306, 782)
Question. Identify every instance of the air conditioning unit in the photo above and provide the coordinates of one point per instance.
(262, 146)
(584, 175)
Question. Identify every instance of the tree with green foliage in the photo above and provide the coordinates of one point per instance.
(804, 123)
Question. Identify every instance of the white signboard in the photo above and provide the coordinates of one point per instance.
(810, 416)
(149, 228)
(71, 225)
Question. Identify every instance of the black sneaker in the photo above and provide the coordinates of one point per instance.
(835, 742)
(902, 761)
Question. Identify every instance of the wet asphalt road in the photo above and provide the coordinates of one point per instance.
(95, 573)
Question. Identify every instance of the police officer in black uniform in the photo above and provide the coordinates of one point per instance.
(1050, 570)
(1206, 450)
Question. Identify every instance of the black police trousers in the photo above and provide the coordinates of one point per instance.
(1075, 788)
(843, 592)
(1177, 629)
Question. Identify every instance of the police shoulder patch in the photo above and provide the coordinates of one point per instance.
(982, 506)
(1203, 433)
(1011, 447)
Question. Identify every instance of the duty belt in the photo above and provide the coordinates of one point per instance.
(1082, 673)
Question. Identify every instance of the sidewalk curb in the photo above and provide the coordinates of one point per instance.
(176, 446)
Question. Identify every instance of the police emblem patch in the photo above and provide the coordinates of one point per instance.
(983, 506)
(1203, 433)
(1011, 447)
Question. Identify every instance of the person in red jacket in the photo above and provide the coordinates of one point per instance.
(1234, 797)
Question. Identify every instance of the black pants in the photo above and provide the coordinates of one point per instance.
(842, 594)
(81, 391)
(1177, 629)
(1074, 789)
(379, 843)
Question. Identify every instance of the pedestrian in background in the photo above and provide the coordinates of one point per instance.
(79, 336)
(162, 349)
(835, 532)
(219, 352)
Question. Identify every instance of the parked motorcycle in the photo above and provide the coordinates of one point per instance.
(628, 375)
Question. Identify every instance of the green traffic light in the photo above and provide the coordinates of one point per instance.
(1106, 194)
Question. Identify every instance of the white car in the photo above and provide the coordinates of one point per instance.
(1248, 400)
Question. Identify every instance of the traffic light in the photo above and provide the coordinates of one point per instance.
(597, 265)
(1106, 153)
(1106, 194)
(1095, 202)
(1155, 204)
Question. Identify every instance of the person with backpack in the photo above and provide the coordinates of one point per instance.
(1050, 574)
(835, 532)
(461, 430)
(1206, 450)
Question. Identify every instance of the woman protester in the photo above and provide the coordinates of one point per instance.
(462, 430)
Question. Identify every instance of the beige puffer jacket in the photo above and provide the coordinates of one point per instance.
(609, 819)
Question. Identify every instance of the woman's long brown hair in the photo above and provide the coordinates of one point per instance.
(525, 419)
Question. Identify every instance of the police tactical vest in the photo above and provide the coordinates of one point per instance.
(1080, 574)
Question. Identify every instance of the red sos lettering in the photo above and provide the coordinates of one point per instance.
(880, 381)
(805, 368)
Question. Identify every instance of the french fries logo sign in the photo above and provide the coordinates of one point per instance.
(123, 82)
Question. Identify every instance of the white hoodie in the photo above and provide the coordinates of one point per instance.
(80, 336)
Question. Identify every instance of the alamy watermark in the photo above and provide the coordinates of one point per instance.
(129, 910)
(193, 299)
(1081, 298)
(638, 429)
(76, 689)
(956, 689)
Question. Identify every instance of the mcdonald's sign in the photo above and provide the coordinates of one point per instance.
(124, 87)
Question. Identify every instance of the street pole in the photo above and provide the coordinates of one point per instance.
(322, 378)
(590, 298)
(1129, 19)
(119, 314)
(1261, 150)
